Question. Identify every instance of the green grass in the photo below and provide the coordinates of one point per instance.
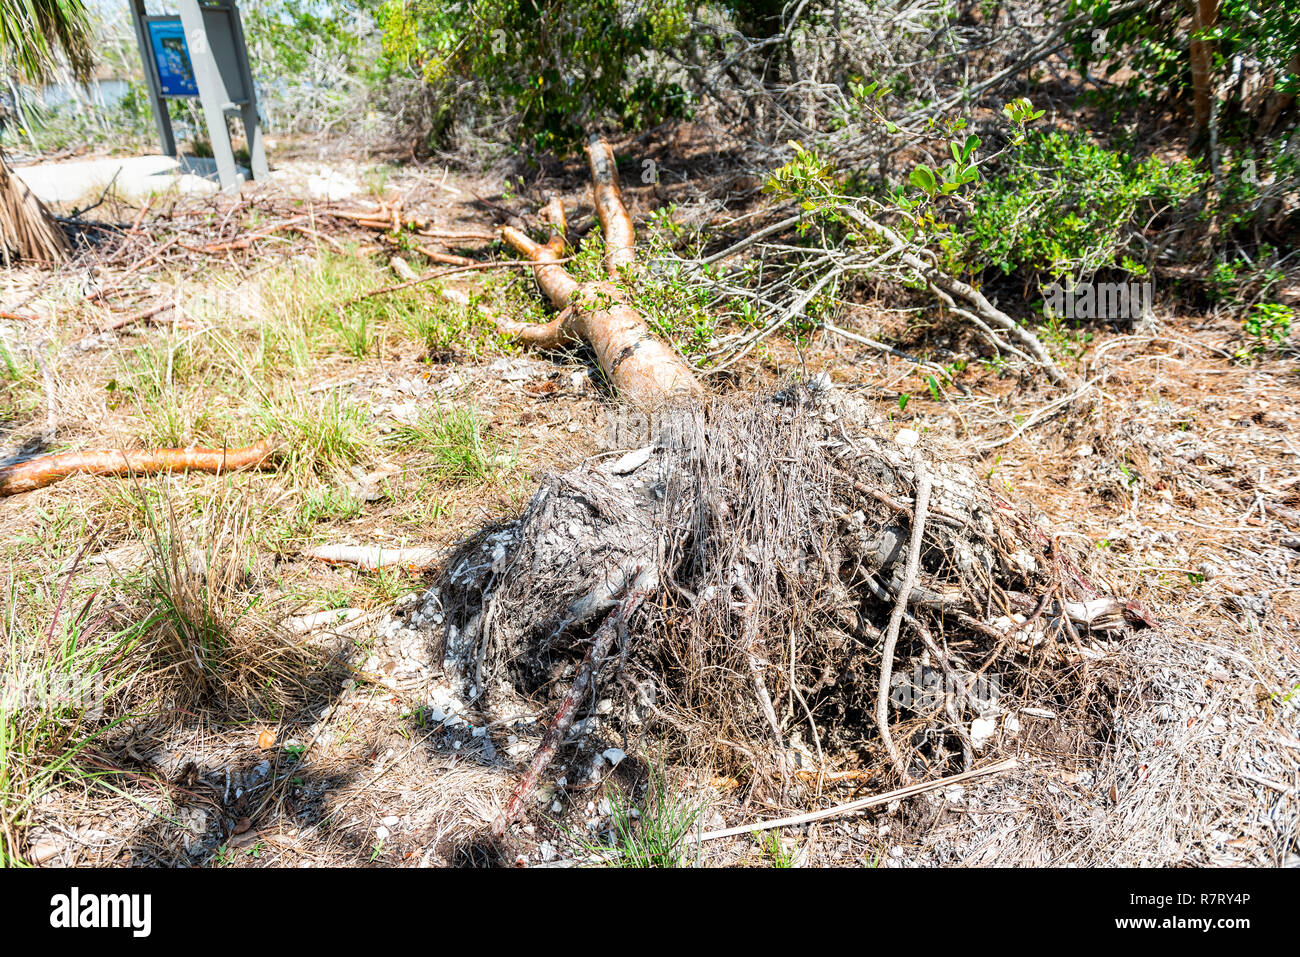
(20, 390)
(456, 442)
(330, 297)
(181, 389)
(322, 433)
(649, 833)
(774, 850)
(61, 688)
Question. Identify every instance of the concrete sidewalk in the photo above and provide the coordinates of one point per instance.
(81, 181)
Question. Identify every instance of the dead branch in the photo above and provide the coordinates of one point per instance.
(900, 608)
(601, 643)
(371, 557)
(949, 288)
(447, 259)
(144, 314)
(48, 469)
(437, 274)
(402, 268)
(246, 241)
(862, 803)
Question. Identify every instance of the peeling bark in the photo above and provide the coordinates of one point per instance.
(642, 368)
(48, 469)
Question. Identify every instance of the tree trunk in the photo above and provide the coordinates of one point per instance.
(1205, 15)
(643, 369)
(28, 232)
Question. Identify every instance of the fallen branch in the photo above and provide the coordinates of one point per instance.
(640, 366)
(448, 259)
(861, 804)
(897, 353)
(140, 316)
(371, 557)
(900, 608)
(48, 469)
(949, 288)
(245, 241)
(601, 643)
(439, 274)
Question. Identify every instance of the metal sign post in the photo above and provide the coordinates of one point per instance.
(200, 54)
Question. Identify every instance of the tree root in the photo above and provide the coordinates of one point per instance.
(583, 683)
(787, 545)
(48, 469)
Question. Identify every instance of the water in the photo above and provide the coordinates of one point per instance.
(101, 93)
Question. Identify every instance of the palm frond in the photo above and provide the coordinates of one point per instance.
(34, 33)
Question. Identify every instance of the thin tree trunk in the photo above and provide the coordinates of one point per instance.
(1205, 15)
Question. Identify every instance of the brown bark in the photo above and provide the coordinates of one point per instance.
(643, 369)
(48, 469)
(28, 232)
(1205, 15)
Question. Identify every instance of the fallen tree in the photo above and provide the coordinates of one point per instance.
(638, 365)
(745, 580)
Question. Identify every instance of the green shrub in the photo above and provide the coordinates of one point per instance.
(1065, 205)
(555, 67)
(1266, 327)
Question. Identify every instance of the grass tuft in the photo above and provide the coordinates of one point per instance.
(652, 833)
(456, 440)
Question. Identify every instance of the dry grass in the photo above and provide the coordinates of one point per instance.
(401, 432)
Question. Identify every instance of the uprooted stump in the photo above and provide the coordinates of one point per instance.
(729, 586)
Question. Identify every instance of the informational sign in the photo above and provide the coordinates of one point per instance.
(202, 54)
(172, 58)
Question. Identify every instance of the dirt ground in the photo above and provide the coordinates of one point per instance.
(1176, 474)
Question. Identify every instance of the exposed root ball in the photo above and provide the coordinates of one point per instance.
(771, 539)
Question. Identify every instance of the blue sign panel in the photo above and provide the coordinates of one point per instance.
(175, 72)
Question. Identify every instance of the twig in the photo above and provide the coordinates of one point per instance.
(900, 608)
(439, 273)
(245, 241)
(1041, 415)
(448, 259)
(890, 350)
(140, 316)
(861, 804)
